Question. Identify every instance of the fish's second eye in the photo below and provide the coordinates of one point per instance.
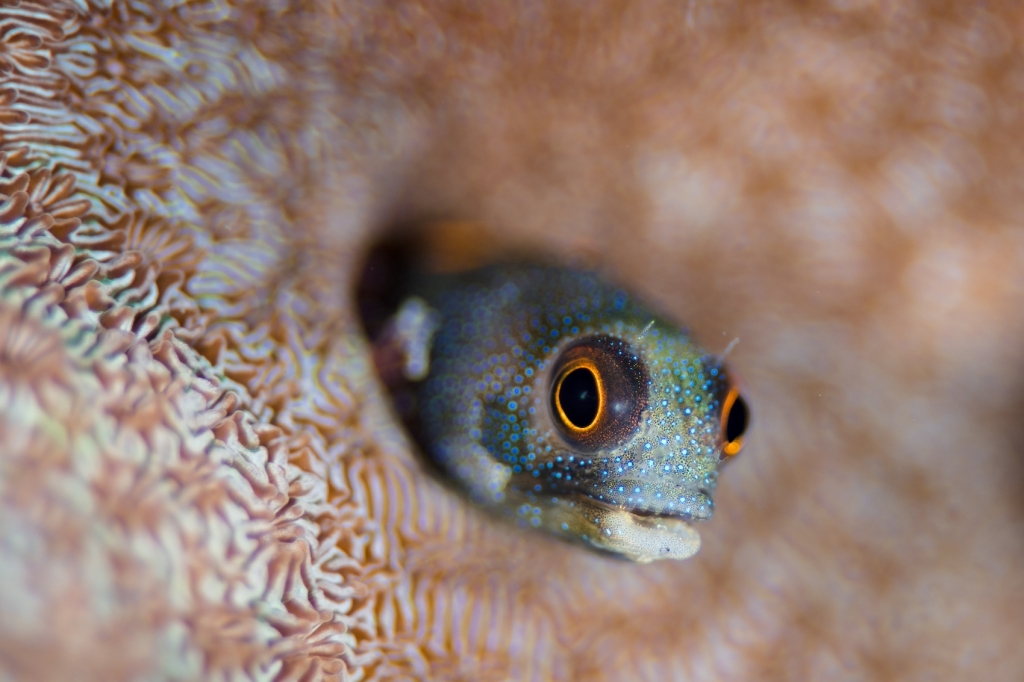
(735, 417)
(577, 396)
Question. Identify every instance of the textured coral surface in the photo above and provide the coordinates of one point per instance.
(200, 478)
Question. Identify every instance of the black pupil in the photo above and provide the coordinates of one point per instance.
(577, 396)
(736, 422)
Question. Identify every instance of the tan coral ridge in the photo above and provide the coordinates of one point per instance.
(202, 532)
(149, 523)
(140, 489)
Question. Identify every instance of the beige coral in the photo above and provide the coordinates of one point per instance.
(200, 478)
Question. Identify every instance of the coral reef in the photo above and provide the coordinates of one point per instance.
(200, 477)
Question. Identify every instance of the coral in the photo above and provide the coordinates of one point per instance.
(151, 522)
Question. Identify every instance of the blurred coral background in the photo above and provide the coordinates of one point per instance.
(201, 478)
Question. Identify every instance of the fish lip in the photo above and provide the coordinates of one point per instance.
(675, 514)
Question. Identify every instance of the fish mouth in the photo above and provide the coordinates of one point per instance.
(661, 514)
(700, 507)
(638, 534)
(673, 515)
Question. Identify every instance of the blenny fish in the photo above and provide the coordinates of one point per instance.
(555, 398)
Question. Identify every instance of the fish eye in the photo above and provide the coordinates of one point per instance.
(735, 417)
(578, 396)
(598, 392)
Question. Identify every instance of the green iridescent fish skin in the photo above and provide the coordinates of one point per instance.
(489, 421)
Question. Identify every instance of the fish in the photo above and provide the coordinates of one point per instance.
(563, 402)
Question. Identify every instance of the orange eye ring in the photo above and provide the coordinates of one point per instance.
(734, 423)
(598, 393)
(582, 363)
